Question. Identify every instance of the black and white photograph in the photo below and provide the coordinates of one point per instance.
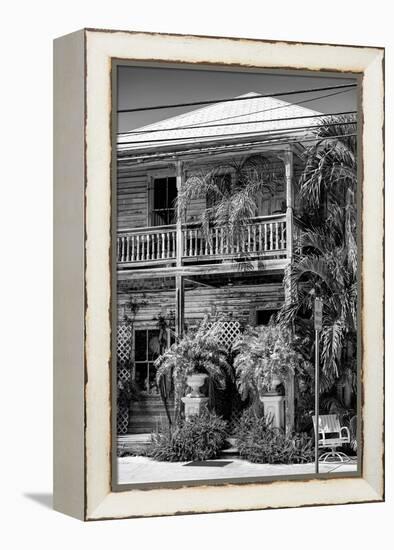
(236, 299)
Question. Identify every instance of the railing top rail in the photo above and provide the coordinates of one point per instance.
(168, 228)
(145, 230)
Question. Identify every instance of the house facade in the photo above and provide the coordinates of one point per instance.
(171, 271)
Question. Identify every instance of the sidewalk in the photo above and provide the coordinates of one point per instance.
(138, 469)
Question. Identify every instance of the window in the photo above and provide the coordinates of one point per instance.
(263, 316)
(147, 348)
(163, 203)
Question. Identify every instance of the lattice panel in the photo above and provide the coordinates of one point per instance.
(123, 374)
(230, 330)
(122, 421)
(123, 343)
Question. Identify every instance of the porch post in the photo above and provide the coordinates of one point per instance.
(179, 305)
(289, 385)
(288, 160)
(179, 240)
(179, 282)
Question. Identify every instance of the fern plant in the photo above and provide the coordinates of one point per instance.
(198, 352)
(263, 354)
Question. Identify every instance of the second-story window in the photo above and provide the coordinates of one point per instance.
(164, 196)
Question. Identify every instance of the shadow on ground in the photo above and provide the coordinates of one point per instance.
(45, 499)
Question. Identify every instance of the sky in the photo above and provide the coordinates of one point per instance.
(147, 86)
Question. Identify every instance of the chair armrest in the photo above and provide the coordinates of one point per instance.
(346, 429)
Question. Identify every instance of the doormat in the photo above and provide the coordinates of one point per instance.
(212, 463)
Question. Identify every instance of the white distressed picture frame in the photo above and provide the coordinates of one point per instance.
(82, 248)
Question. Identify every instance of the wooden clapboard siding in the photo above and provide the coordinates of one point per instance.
(239, 301)
(148, 413)
(132, 200)
(133, 196)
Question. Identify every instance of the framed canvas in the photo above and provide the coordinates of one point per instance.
(219, 274)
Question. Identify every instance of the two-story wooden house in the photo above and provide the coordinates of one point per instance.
(166, 264)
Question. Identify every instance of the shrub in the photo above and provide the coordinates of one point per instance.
(259, 442)
(264, 354)
(199, 438)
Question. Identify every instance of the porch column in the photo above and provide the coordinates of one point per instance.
(179, 282)
(289, 384)
(179, 239)
(288, 161)
(179, 305)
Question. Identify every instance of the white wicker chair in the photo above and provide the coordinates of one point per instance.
(331, 436)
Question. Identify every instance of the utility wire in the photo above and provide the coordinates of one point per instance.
(284, 106)
(262, 121)
(277, 108)
(229, 148)
(237, 134)
(226, 100)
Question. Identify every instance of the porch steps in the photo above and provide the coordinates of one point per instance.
(231, 450)
(148, 414)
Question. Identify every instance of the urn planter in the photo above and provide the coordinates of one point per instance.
(195, 382)
(195, 401)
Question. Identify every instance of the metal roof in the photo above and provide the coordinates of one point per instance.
(256, 115)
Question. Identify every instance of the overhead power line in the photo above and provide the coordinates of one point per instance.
(237, 134)
(229, 99)
(285, 106)
(262, 121)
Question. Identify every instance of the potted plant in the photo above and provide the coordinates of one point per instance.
(265, 356)
(193, 359)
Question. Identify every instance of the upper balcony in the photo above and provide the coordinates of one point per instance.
(262, 238)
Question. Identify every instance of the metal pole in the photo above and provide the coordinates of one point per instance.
(317, 390)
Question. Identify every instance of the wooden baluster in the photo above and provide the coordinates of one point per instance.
(221, 240)
(174, 244)
(254, 238)
(187, 247)
(185, 250)
(206, 239)
(132, 248)
(163, 246)
(260, 237)
(195, 242)
(265, 237)
(277, 236)
(148, 246)
(167, 245)
(271, 232)
(248, 238)
(128, 248)
(216, 240)
(144, 247)
(137, 252)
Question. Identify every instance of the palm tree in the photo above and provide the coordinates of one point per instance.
(231, 201)
(325, 263)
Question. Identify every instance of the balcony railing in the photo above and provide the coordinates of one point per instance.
(261, 237)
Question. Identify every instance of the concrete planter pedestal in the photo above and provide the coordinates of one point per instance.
(274, 408)
(194, 405)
